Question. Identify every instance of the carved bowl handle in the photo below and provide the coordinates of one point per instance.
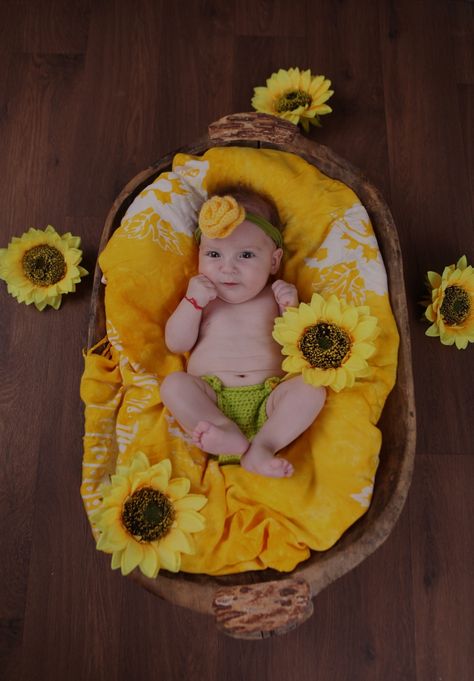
(253, 126)
(262, 610)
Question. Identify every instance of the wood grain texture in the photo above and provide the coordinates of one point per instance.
(92, 93)
(258, 611)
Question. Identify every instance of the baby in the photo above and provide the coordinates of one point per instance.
(232, 399)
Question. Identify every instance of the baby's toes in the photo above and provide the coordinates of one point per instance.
(280, 468)
(284, 467)
(201, 428)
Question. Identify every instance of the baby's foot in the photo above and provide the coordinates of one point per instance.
(225, 439)
(263, 461)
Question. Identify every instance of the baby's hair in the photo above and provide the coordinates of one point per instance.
(255, 202)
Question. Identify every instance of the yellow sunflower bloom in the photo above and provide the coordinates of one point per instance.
(451, 310)
(294, 95)
(146, 519)
(41, 266)
(327, 341)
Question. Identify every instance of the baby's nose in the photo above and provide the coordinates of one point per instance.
(228, 265)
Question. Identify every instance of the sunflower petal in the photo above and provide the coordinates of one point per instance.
(131, 557)
(116, 561)
(355, 363)
(365, 330)
(169, 559)
(192, 502)
(339, 381)
(177, 540)
(461, 342)
(432, 331)
(349, 318)
(332, 310)
(190, 521)
(294, 365)
(178, 488)
(149, 564)
(434, 278)
(284, 334)
(364, 350)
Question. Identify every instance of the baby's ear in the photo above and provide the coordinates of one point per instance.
(276, 260)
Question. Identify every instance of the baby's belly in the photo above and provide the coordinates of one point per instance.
(232, 371)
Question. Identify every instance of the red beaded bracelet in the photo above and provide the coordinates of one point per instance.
(193, 302)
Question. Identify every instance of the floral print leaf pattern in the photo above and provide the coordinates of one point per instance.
(348, 262)
(149, 224)
(167, 207)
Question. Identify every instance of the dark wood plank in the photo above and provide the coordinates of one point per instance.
(52, 27)
(30, 162)
(441, 508)
(462, 31)
(343, 44)
(431, 199)
(267, 18)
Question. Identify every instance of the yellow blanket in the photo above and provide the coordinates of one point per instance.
(251, 522)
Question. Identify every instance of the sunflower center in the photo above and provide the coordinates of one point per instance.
(44, 265)
(292, 100)
(148, 514)
(325, 345)
(456, 305)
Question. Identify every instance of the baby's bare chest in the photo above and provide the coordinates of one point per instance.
(245, 321)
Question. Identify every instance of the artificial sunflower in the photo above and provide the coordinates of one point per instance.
(146, 519)
(40, 266)
(294, 95)
(451, 310)
(327, 341)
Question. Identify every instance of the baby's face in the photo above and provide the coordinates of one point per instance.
(239, 265)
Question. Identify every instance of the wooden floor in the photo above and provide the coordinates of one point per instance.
(91, 92)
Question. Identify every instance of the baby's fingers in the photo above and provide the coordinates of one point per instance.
(286, 294)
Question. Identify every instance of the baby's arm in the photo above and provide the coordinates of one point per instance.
(182, 328)
(285, 294)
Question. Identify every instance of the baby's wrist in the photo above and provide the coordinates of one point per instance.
(194, 302)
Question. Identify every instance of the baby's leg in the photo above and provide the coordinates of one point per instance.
(291, 408)
(193, 403)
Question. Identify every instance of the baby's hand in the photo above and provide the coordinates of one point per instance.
(201, 289)
(285, 294)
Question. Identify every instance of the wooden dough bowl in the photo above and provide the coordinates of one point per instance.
(260, 604)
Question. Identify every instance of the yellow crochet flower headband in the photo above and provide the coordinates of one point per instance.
(220, 215)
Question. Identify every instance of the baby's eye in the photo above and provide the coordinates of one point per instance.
(213, 254)
(247, 254)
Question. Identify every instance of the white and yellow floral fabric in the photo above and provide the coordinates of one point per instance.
(251, 522)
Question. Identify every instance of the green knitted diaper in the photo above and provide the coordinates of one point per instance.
(245, 405)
